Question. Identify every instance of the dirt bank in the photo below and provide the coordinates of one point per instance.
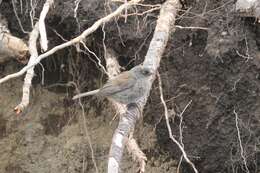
(218, 69)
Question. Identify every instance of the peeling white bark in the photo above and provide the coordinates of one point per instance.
(30, 73)
(42, 28)
(113, 166)
(113, 69)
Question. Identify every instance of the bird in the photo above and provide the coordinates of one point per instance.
(127, 87)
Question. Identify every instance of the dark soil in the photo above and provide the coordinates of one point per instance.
(217, 69)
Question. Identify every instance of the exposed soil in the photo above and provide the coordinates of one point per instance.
(218, 70)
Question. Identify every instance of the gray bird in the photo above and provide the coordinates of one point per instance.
(127, 87)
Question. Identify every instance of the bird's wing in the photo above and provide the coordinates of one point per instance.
(120, 83)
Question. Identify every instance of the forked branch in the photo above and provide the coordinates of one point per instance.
(164, 27)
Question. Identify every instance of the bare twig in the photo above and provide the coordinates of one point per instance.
(240, 142)
(144, 12)
(181, 146)
(76, 12)
(17, 17)
(76, 8)
(243, 56)
(191, 27)
(80, 95)
(88, 136)
(125, 12)
(181, 132)
(32, 12)
(179, 164)
(93, 53)
(84, 121)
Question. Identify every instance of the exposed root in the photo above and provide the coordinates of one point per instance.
(181, 146)
(242, 153)
(42, 28)
(30, 73)
(78, 39)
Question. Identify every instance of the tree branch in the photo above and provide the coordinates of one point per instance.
(30, 73)
(157, 46)
(42, 28)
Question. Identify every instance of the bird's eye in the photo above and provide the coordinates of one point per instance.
(146, 72)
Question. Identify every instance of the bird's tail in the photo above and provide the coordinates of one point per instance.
(85, 94)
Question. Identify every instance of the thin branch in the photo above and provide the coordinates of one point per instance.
(145, 12)
(93, 53)
(80, 95)
(32, 12)
(181, 132)
(181, 147)
(88, 136)
(84, 121)
(76, 12)
(240, 142)
(17, 17)
(179, 164)
(125, 12)
(243, 56)
(76, 8)
(191, 27)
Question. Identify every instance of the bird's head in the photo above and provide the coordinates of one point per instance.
(142, 71)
